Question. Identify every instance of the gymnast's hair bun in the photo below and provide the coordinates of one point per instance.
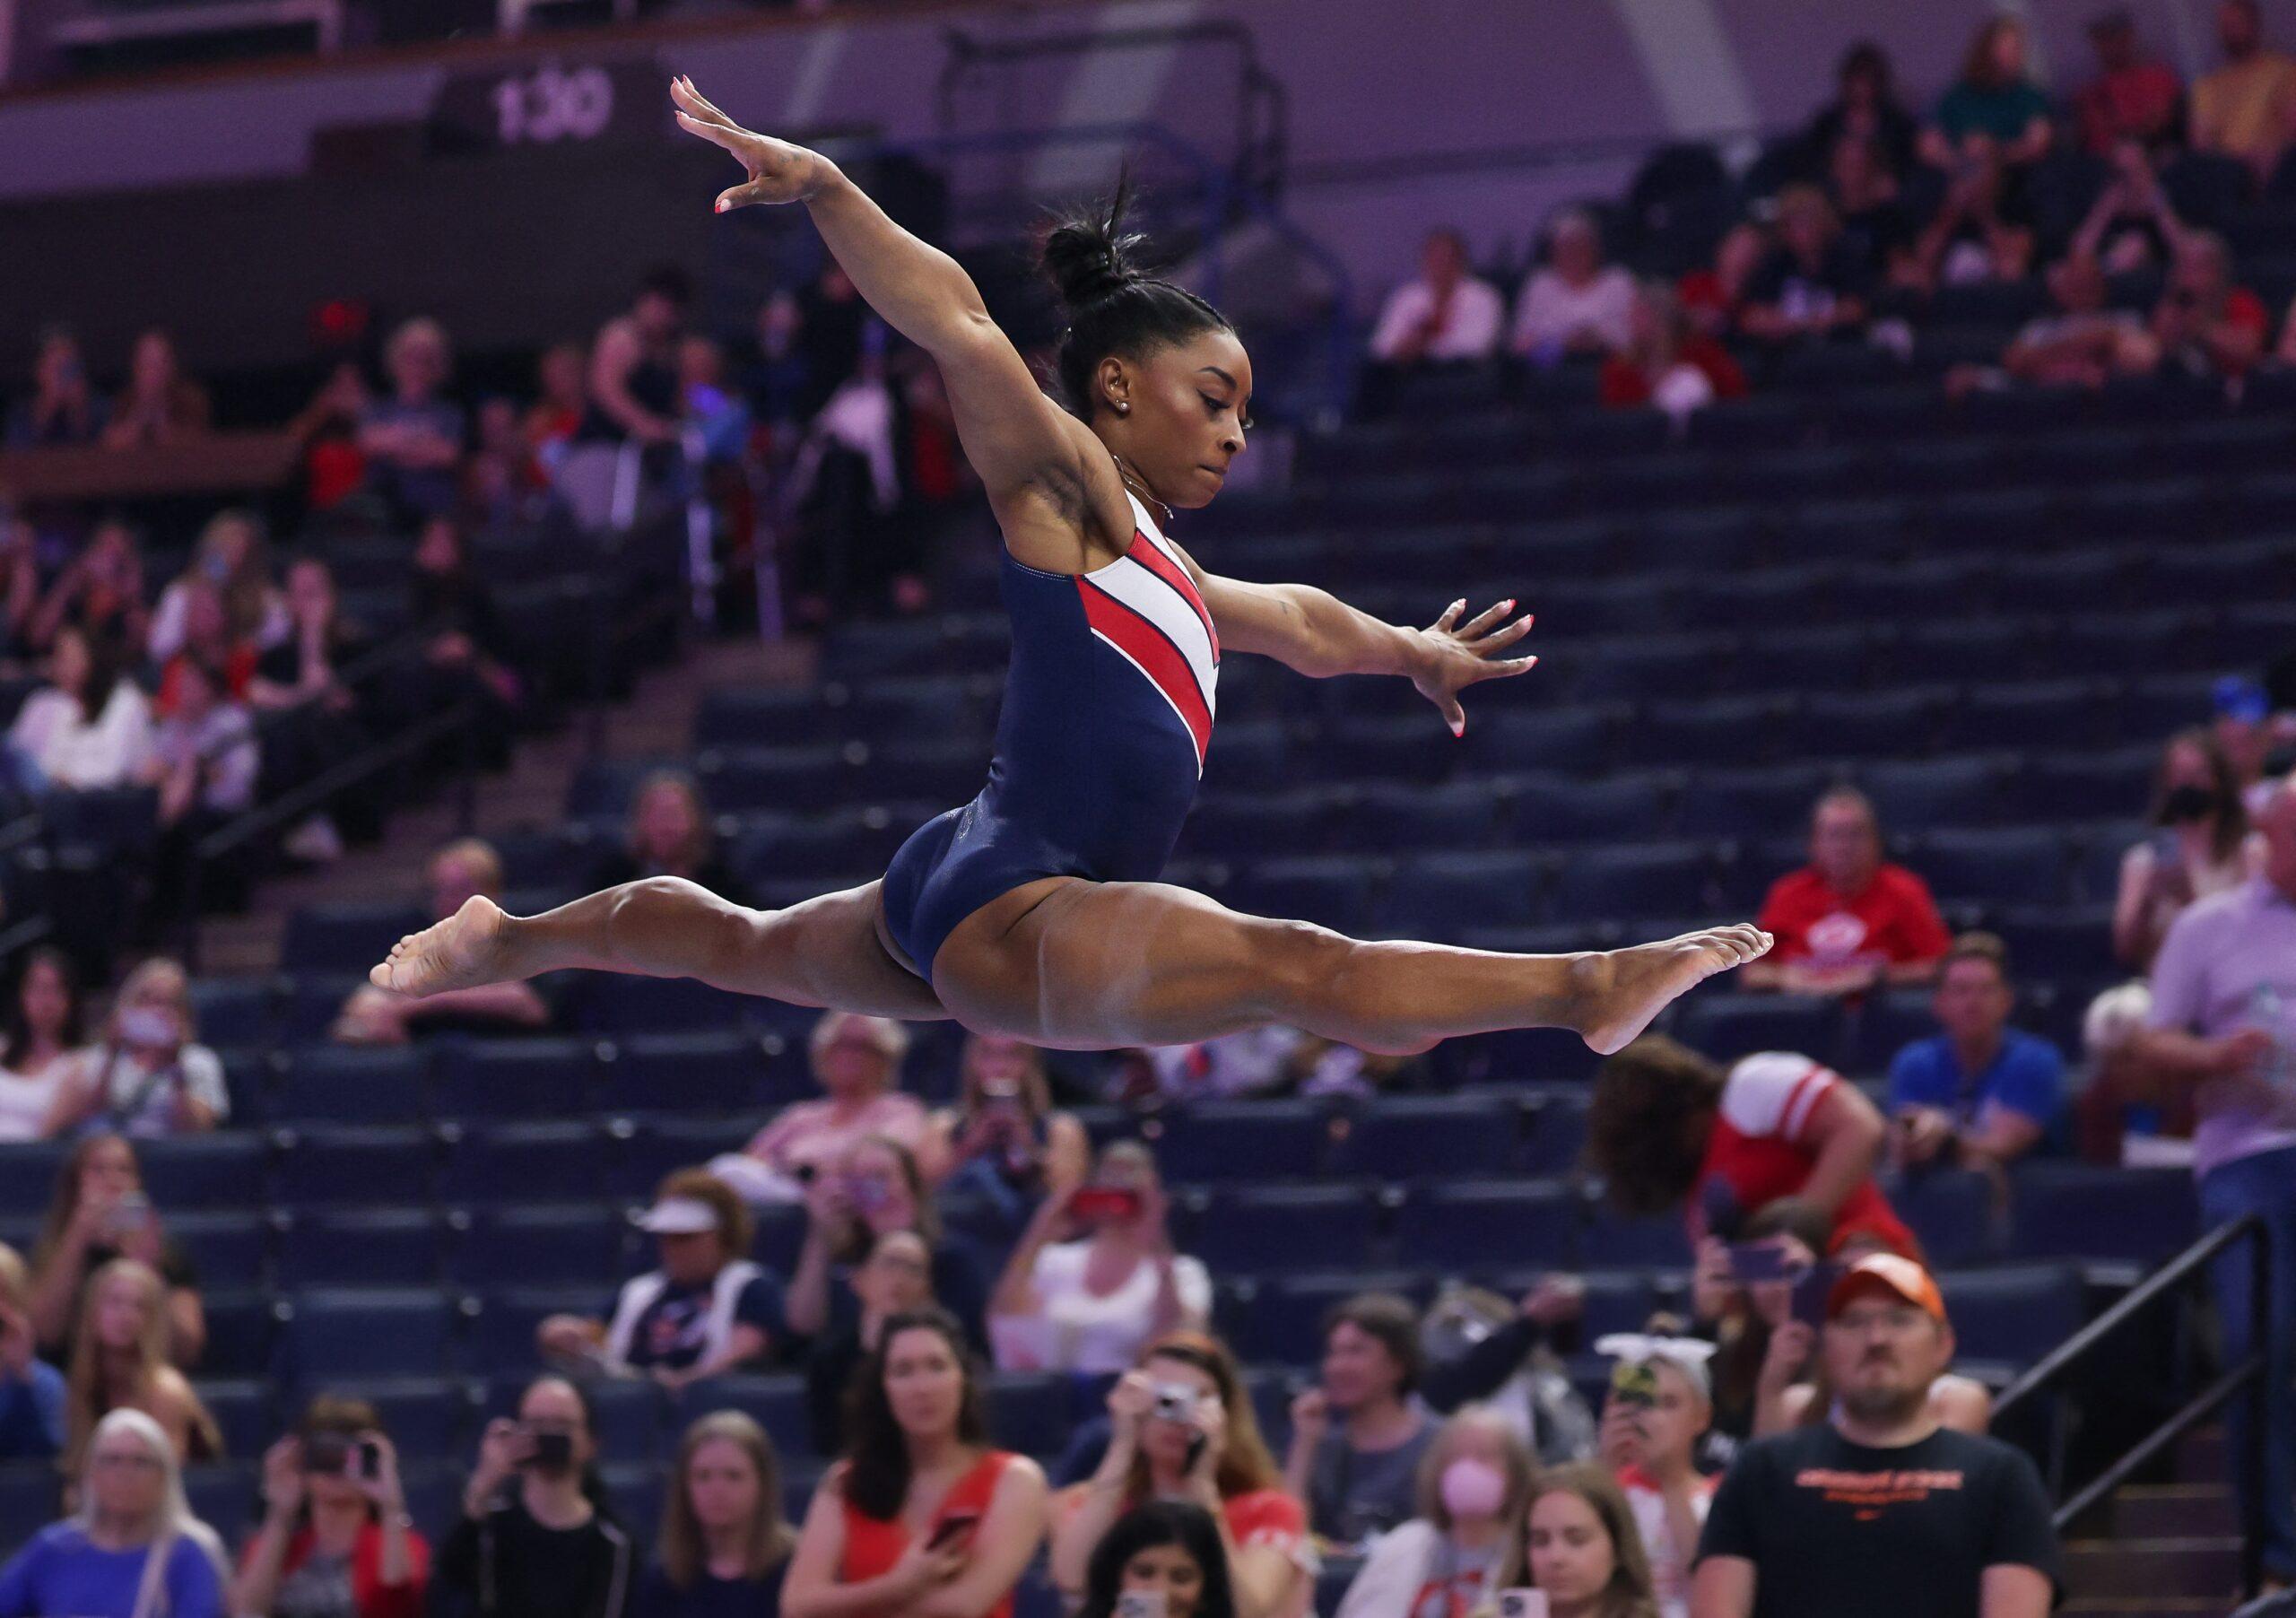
(1088, 255)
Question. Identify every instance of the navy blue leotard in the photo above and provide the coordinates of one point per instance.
(1108, 711)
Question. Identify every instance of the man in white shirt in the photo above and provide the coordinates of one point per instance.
(1576, 304)
(1446, 315)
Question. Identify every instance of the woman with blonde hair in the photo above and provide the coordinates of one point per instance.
(232, 556)
(1475, 1486)
(132, 1550)
(1584, 1551)
(725, 1545)
(1004, 1140)
(119, 1361)
(148, 1074)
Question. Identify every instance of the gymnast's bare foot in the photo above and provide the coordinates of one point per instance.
(1625, 988)
(464, 951)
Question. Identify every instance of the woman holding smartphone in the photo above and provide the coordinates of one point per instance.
(1163, 1560)
(533, 1540)
(1183, 1430)
(1089, 1305)
(873, 1189)
(1003, 1141)
(337, 1541)
(921, 1519)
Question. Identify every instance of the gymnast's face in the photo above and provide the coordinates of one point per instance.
(1185, 409)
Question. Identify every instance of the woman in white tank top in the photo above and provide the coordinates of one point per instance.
(41, 1054)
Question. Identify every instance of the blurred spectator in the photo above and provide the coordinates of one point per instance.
(209, 642)
(669, 833)
(895, 1278)
(1866, 198)
(20, 591)
(1472, 1491)
(2223, 1029)
(535, 1538)
(776, 380)
(119, 1361)
(1575, 304)
(2081, 342)
(1448, 313)
(159, 405)
(1978, 1092)
(88, 729)
(2120, 1116)
(148, 1074)
(41, 1051)
(466, 640)
(1661, 1402)
(1847, 920)
(1976, 237)
(206, 762)
(412, 441)
(1497, 1352)
(1667, 1130)
(1166, 1548)
(501, 482)
(1812, 283)
(33, 1425)
(1003, 1141)
(873, 1189)
(2243, 727)
(1272, 1059)
(1994, 113)
(100, 1214)
(561, 381)
(100, 590)
(334, 467)
(62, 408)
(314, 716)
(1879, 1510)
(1182, 1428)
(1582, 1549)
(2133, 223)
(2200, 846)
(337, 1541)
(133, 1548)
(1713, 297)
(2246, 110)
(1666, 365)
(1359, 1478)
(2134, 96)
(725, 1545)
(857, 1061)
(375, 1016)
(234, 563)
(830, 319)
(633, 387)
(2205, 326)
(1865, 107)
(720, 415)
(1088, 1305)
(707, 1309)
(921, 1515)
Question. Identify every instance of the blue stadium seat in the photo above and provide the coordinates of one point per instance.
(351, 1084)
(1764, 801)
(567, 1245)
(2042, 786)
(1695, 732)
(2002, 647)
(1883, 1024)
(602, 788)
(1554, 1140)
(2103, 847)
(1611, 1240)
(1631, 882)
(2016, 1314)
(2079, 582)
(218, 1171)
(1950, 1210)
(1890, 723)
(1620, 808)
(313, 1002)
(427, 1417)
(233, 1011)
(2056, 943)
(1028, 1411)
(2109, 645)
(1265, 1230)
(525, 1162)
(335, 1333)
(1245, 825)
(1407, 1137)
(610, 1003)
(384, 1246)
(1242, 1141)
(2054, 714)
(801, 778)
(224, 1495)
(515, 1078)
(1827, 659)
(1659, 666)
(244, 1411)
(1332, 890)
(1710, 536)
(1282, 1321)
(1475, 1225)
(29, 1498)
(501, 1338)
(656, 1146)
(1436, 896)
(704, 1073)
(327, 1166)
(1384, 817)
(347, 936)
(1404, 747)
(242, 1331)
(1932, 792)
(234, 1247)
(1726, 1026)
(1614, 1302)
(248, 1075)
(2082, 1210)
(774, 1403)
(1554, 738)
(2023, 865)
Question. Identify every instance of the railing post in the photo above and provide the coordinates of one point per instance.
(467, 766)
(2253, 1432)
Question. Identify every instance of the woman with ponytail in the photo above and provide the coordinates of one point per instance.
(1034, 911)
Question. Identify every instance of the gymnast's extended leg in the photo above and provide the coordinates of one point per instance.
(826, 951)
(1078, 964)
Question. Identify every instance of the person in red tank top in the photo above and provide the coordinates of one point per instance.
(921, 1519)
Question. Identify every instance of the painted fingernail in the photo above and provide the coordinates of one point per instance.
(721, 204)
(1509, 606)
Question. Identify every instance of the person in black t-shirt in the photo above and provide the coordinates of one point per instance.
(533, 1540)
(1814, 283)
(1881, 1512)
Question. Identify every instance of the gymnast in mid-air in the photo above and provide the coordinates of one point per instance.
(1035, 911)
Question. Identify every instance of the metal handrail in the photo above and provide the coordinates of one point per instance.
(2254, 1367)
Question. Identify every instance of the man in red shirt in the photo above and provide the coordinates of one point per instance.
(1669, 1129)
(2134, 96)
(1847, 920)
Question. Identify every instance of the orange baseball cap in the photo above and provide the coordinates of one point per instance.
(1900, 1278)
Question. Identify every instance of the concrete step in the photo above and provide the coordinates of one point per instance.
(2173, 1512)
(2196, 1567)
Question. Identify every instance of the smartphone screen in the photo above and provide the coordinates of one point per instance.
(1105, 1202)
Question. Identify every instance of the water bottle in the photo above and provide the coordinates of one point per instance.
(2268, 1010)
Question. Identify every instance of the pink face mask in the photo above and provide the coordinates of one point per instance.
(1473, 1488)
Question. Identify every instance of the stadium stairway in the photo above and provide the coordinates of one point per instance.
(531, 793)
(2172, 1549)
